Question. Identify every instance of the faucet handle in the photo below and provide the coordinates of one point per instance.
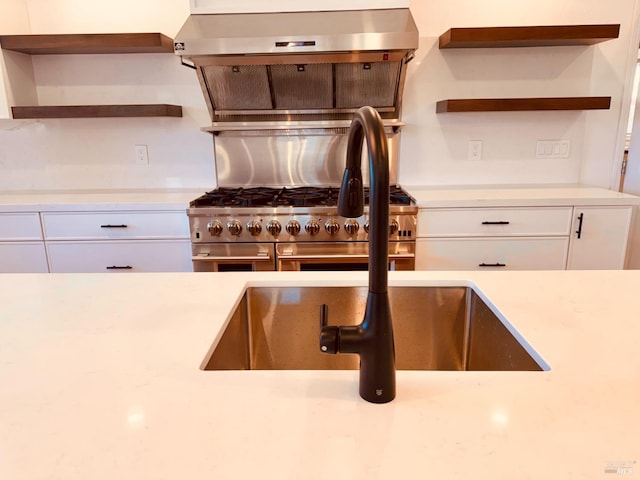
(328, 334)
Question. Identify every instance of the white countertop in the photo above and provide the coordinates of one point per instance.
(514, 196)
(426, 197)
(100, 380)
(96, 200)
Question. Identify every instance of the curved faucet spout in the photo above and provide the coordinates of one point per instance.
(373, 338)
(367, 125)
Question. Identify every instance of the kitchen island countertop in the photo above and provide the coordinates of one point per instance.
(100, 380)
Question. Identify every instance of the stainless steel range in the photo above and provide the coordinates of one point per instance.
(281, 90)
(262, 228)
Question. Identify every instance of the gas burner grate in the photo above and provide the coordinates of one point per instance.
(309, 196)
(397, 196)
(255, 197)
(286, 197)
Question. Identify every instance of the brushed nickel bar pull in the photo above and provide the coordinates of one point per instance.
(392, 256)
(240, 258)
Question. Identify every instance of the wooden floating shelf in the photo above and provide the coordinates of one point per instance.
(523, 104)
(533, 36)
(96, 111)
(88, 43)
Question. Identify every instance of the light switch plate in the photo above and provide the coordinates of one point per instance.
(553, 148)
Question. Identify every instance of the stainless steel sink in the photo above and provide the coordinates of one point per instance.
(436, 328)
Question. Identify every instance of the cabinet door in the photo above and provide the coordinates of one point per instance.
(517, 253)
(23, 257)
(120, 256)
(20, 226)
(599, 238)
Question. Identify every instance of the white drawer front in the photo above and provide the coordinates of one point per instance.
(120, 256)
(115, 225)
(493, 222)
(549, 253)
(20, 226)
(23, 257)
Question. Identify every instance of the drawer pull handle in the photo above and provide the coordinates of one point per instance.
(495, 223)
(113, 226)
(580, 218)
(492, 264)
(120, 267)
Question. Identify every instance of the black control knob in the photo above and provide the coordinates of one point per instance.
(352, 227)
(234, 227)
(393, 227)
(293, 227)
(254, 227)
(274, 228)
(312, 227)
(215, 228)
(332, 227)
(366, 227)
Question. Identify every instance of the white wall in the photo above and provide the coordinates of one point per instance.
(98, 153)
(435, 147)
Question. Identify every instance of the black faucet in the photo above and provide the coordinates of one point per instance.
(373, 338)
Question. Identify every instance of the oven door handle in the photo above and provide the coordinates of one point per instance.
(392, 256)
(238, 258)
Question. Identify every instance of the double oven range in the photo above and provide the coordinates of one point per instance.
(292, 228)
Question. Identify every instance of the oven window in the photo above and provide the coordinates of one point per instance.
(235, 267)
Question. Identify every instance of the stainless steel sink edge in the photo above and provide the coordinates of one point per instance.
(224, 326)
(511, 328)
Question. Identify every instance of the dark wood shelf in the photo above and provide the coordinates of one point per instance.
(94, 43)
(88, 43)
(532, 36)
(523, 104)
(97, 111)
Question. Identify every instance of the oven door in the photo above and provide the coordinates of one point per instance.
(233, 257)
(340, 256)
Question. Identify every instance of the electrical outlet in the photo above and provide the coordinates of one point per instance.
(475, 150)
(553, 148)
(142, 155)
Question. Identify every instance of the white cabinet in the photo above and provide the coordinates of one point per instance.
(22, 248)
(491, 253)
(115, 225)
(120, 256)
(493, 238)
(118, 241)
(599, 238)
(494, 222)
(522, 238)
(23, 257)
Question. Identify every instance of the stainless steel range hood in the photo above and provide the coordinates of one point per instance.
(299, 70)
